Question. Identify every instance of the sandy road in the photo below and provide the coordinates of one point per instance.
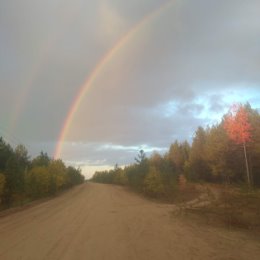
(95, 221)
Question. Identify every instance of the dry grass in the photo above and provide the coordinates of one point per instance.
(226, 206)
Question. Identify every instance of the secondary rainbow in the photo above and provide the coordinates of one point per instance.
(100, 65)
(43, 58)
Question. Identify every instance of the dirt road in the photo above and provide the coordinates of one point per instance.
(95, 221)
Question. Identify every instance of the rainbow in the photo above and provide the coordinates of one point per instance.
(96, 71)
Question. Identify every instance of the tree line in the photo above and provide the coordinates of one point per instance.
(216, 154)
(23, 179)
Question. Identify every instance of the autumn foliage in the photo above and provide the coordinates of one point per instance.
(237, 125)
(217, 154)
(238, 128)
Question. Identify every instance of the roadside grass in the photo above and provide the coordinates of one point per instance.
(185, 195)
(232, 208)
(173, 194)
(22, 203)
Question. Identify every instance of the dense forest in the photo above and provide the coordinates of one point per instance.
(227, 152)
(23, 180)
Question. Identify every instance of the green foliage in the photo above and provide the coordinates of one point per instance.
(57, 170)
(21, 154)
(199, 167)
(21, 178)
(116, 176)
(104, 177)
(153, 184)
(42, 181)
(14, 186)
(211, 157)
(120, 176)
(74, 176)
(253, 147)
(152, 176)
(38, 182)
(6, 152)
(178, 155)
(41, 160)
(2, 185)
(217, 154)
(136, 175)
(141, 157)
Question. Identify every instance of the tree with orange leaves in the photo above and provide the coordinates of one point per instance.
(238, 128)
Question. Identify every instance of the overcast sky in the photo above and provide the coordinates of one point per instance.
(181, 65)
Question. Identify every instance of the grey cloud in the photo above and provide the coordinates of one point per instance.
(194, 54)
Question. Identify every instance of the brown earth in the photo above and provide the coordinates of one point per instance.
(95, 221)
